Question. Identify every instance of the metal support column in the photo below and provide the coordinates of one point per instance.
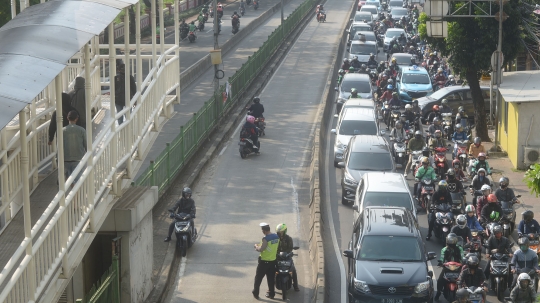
(129, 126)
(112, 73)
(6, 193)
(161, 29)
(13, 8)
(177, 43)
(26, 200)
(89, 138)
(216, 66)
(153, 25)
(139, 155)
(498, 74)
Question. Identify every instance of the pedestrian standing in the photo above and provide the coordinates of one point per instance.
(74, 145)
(66, 108)
(266, 262)
(78, 100)
(120, 89)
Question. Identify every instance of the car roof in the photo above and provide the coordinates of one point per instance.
(359, 113)
(385, 182)
(411, 70)
(368, 144)
(402, 55)
(364, 42)
(368, 6)
(358, 102)
(365, 33)
(389, 221)
(362, 13)
(355, 77)
(395, 30)
(395, 8)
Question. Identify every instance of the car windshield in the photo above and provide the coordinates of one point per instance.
(358, 127)
(392, 34)
(415, 79)
(390, 248)
(439, 94)
(370, 161)
(398, 3)
(399, 12)
(362, 16)
(387, 199)
(362, 49)
(362, 87)
(372, 10)
(403, 59)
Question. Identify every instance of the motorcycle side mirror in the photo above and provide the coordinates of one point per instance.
(355, 207)
(383, 132)
(341, 164)
(348, 254)
(430, 274)
(518, 196)
(431, 255)
(336, 115)
(336, 89)
(296, 247)
(333, 131)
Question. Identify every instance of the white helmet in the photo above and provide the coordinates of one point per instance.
(408, 106)
(522, 277)
(450, 77)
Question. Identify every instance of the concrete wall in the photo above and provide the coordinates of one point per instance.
(508, 131)
(528, 127)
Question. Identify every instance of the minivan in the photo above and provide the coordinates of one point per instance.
(360, 82)
(383, 189)
(365, 153)
(387, 259)
(352, 122)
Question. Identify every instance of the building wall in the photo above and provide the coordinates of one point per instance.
(508, 130)
(529, 125)
(141, 252)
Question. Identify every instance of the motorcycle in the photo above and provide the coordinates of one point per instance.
(394, 115)
(476, 294)
(284, 272)
(534, 245)
(458, 205)
(451, 274)
(462, 152)
(184, 33)
(246, 147)
(475, 245)
(508, 220)
(447, 125)
(428, 189)
(400, 151)
(205, 17)
(242, 11)
(444, 220)
(200, 26)
(185, 233)
(440, 162)
(499, 272)
(192, 37)
(236, 27)
(438, 85)
(261, 125)
(321, 16)
(416, 155)
(255, 4)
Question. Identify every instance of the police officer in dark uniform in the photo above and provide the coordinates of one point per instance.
(184, 205)
(267, 261)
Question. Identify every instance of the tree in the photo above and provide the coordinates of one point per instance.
(5, 10)
(470, 43)
(532, 178)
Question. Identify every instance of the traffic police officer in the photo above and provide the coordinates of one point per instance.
(267, 261)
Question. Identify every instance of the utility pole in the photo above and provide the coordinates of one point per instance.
(498, 73)
(216, 66)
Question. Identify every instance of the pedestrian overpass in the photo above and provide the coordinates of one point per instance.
(47, 223)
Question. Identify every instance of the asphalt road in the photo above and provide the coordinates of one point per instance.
(235, 195)
(342, 218)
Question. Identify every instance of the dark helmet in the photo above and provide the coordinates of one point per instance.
(451, 173)
(192, 22)
(503, 182)
(497, 229)
(425, 151)
(186, 191)
(364, 66)
(527, 215)
(477, 141)
(523, 243)
(451, 239)
(462, 295)
(473, 262)
(256, 99)
(418, 135)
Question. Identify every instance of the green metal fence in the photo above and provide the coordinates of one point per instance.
(164, 169)
(108, 288)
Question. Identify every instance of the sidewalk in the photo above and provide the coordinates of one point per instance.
(501, 166)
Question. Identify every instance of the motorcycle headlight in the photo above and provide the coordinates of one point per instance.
(361, 286)
(349, 180)
(185, 228)
(510, 215)
(421, 287)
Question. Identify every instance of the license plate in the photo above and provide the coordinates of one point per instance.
(428, 188)
(241, 143)
(392, 300)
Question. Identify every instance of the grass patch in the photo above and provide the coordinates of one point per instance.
(517, 170)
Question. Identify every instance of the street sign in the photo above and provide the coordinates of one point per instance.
(436, 9)
(494, 60)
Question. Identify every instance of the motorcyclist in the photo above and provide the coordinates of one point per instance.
(500, 243)
(200, 18)
(437, 140)
(435, 126)
(409, 115)
(184, 27)
(528, 224)
(461, 229)
(346, 64)
(481, 163)
(387, 95)
(524, 260)
(394, 101)
(441, 196)
(450, 253)
(416, 143)
(462, 116)
(341, 73)
(354, 93)
(249, 130)
(286, 245)
(432, 58)
(439, 76)
(472, 221)
(404, 122)
(523, 292)
(184, 205)
(235, 13)
(444, 108)
(394, 65)
(425, 172)
(481, 200)
(412, 50)
(456, 165)
(235, 20)
(381, 67)
(474, 150)
(462, 296)
(454, 185)
(205, 8)
(256, 109)
(492, 211)
(472, 276)
(435, 113)
(355, 63)
(242, 5)
(426, 152)
(372, 61)
(505, 193)
(459, 135)
(398, 132)
(192, 27)
(363, 69)
(416, 109)
(479, 180)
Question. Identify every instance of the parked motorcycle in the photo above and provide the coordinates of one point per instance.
(184, 231)
(192, 37)
(444, 220)
(246, 147)
(284, 272)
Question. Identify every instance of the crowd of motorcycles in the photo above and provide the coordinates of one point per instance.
(383, 78)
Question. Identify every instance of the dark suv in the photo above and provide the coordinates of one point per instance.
(387, 258)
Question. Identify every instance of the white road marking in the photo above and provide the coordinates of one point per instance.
(223, 150)
(330, 219)
(181, 272)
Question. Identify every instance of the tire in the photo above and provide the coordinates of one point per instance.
(284, 293)
(242, 154)
(536, 284)
(499, 290)
(184, 246)
(451, 296)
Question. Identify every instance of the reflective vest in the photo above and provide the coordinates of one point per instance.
(269, 254)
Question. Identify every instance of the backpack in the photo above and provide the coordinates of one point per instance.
(244, 133)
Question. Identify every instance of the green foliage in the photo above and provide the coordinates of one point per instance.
(5, 10)
(532, 178)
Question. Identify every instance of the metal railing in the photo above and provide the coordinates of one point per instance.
(166, 166)
(108, 288)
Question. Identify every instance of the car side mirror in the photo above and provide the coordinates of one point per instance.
(347, 31)
(348, 254)
(333, 131)
(336, 115)
(430, 274)
(355, 207)
(336, 89)
(383, 132)
(341, 164)
(431, 255)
